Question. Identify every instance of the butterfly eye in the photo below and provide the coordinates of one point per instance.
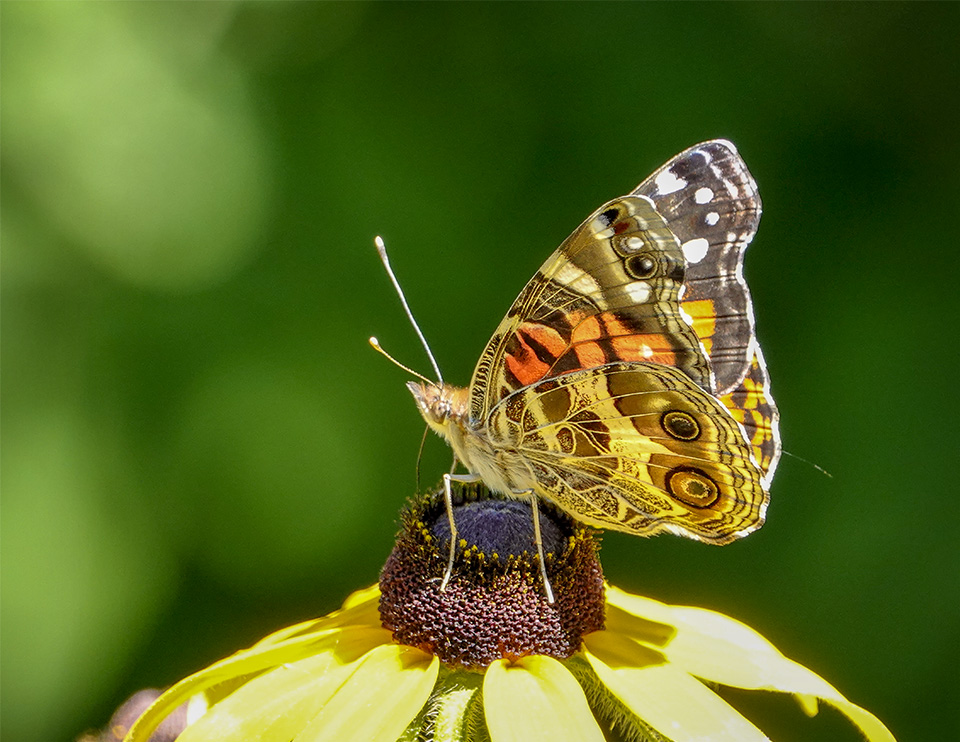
(680, 425)
(692, 487)
(640, 266)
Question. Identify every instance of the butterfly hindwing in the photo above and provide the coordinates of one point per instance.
(636, 447)
(709, 200)
(609, 293)
(752, 406)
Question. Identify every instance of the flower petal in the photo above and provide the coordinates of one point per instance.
(252, 661)
(718, 648)
(382, 696)
(359, 609)
(662, 695)
(275, 706)
(536, 697)
(707, 644)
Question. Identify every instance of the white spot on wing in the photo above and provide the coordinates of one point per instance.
(634, 243)
(695, 250)
(668, 183)
(639, 291)
(647, 351)
(712, 218)
(601, 228)
(703, 196)
(686, 317)
(578, 280)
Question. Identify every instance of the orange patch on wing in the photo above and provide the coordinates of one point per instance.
(630, 347)
(601, 326)
(704, 315)
(525, 365)
(626, 345)
(653, 348)
(546, 337)
(523, 361)
(749, 395)
(590, 355)
(588, 329)
(667, 358)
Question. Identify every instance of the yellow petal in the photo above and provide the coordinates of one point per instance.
(252, 661)
(715, 647)
(536, 698)
(662, 695)
(377, 702)
(275, 706)
(361, 608)
(367, 595)
(707, 644)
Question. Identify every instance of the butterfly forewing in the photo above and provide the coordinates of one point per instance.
(710, 202)
(609, 293)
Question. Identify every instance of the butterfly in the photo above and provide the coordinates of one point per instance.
(625, 384)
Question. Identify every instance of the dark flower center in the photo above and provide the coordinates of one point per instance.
(495, 604)
(500, 527)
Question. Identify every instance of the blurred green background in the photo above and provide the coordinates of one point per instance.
(198, 445)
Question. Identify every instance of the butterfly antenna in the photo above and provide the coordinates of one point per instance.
(382, 250)
(809, 463)
(377, 347)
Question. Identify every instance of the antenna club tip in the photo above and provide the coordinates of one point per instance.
(378, 241)
(373, 341)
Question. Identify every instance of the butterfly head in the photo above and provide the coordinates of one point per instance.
(440, 404)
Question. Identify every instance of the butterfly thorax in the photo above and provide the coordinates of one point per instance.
(447, 411)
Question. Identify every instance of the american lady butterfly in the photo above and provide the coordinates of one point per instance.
(626, 384)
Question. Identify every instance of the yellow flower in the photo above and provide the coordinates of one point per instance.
(647, 674)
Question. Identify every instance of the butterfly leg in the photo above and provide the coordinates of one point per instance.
(535, 510)
(448, 500)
